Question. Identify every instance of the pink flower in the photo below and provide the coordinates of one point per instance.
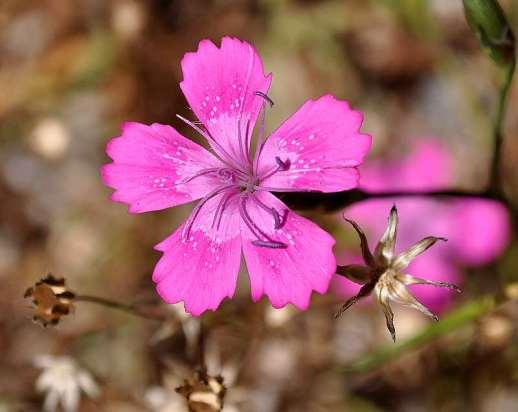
(154, 167)
(477, 229)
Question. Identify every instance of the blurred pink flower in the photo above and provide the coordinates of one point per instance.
(154, 167)
(477, 229)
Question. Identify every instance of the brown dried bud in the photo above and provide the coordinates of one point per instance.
(51, 300)
(204, 393)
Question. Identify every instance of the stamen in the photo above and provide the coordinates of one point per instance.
(283, 165)
(271, 245)
(282, 219)
(206, 134)
(195, 212)
(201, 173)
(265, 97)
(282, 189)
(244, 147)
(256, 231)
(278, 221)
(260, 135)
(221, 209)
(248, 135)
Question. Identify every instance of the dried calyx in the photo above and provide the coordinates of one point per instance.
(50, 299)
(383, 272)
(204, 393)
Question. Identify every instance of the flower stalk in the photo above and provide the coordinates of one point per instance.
(136, 310)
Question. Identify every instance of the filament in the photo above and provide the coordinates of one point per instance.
(260, 135)
(206, 134)
(278, 220)
(196, 211)
(256, 231)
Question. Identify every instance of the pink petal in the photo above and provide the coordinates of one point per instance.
(202, 270)
(323, 145)
(149, 165)
(428, 166)
(485, 230)
(287, 275)
(219, 84)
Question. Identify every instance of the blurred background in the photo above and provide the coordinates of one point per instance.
(72, 71)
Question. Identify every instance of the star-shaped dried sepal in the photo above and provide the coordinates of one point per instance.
(383, 273)
(50, 299)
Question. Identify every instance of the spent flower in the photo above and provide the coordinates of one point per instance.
(384, 272)
(155, 167)
(51, 300)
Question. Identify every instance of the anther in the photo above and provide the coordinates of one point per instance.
(283, 166)
(265, 97)
(268, 244)
(279, 221)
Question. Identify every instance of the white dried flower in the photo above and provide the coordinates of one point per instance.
(383, 273)
(160, 399)
(62, 381)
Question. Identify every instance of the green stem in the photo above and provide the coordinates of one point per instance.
(464, 315)
(495, 181)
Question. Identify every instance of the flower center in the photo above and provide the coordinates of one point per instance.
(240, 178)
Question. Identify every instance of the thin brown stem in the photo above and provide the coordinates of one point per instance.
(124, 307)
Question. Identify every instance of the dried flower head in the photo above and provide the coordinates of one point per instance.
(204, 393)
(384, 274)
(62, 381)
(51, 300)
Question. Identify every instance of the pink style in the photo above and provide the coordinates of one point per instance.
(154, 167)
(477, 229)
